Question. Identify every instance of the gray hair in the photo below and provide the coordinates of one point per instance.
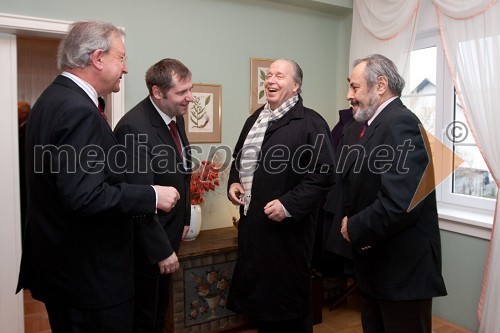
(83, 39)
(377, 65)
(297, 74)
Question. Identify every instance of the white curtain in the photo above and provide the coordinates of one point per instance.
(386, 27)
(470, 30)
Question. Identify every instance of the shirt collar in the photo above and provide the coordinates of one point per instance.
(89, 90)
(166, 118)
(380, 108)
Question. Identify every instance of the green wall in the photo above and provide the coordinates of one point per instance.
(216, 39)
(464, 258)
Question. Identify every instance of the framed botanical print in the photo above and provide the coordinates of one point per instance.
(258, 71)
(203, 119)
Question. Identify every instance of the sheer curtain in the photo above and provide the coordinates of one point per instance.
(470, 30)
(386, 27)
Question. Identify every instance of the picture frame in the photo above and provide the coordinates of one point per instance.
(258, 72)
(202, 121)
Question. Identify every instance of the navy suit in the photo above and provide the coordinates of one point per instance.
(396, 251)
(78, 243)
(152, 158)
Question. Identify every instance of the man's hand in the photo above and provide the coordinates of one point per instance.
(169, 265)
(167, 197)
(274, 210)
(235, 192)
(343, 229)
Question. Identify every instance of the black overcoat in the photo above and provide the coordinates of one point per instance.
(272, 275)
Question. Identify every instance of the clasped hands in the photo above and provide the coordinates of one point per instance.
(273, 209)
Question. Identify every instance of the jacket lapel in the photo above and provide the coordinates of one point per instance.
(162, 129)
(68, 83)
(185, 141)
(371, 131)
(369, 135)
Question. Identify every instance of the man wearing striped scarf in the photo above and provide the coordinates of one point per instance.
(283, 166)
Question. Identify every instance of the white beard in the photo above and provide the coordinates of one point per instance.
(363, 115)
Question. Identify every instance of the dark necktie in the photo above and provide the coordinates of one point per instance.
(363, 130)
(175, 135)
(101, 105)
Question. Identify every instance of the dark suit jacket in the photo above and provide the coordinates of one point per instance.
(153, 157)
(78, 243)
(333, 262)
(273, 273)
(345, 116)
(333, 207)
(396, 251)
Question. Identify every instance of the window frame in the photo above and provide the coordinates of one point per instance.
(464, 214)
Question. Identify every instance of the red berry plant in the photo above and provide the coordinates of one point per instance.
(203, 179)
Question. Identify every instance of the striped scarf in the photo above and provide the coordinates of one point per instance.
(250, 153)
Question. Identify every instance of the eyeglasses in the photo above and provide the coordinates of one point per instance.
(123, 59)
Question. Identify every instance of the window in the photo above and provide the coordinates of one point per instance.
(472, 178)
(429, 93)
(420, 91)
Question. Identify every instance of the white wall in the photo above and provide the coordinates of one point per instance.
(11, 312)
